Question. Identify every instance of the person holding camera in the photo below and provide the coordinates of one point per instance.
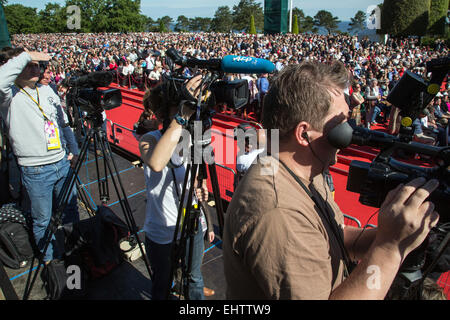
(284, 236)
(37, 128)
(164, 173)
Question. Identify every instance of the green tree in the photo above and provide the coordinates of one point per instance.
(357, 23)
(182, 24)
(223, 20)
(122, 16)
(295, 25)
(150, 25)
(21, 19)
(252, 25)
(296, 12)
(307, 25)
(52, 19)
(405, 17)
(162, 27)
(242, 12)
(438, 13)
(326, 20)
(164, 23)
(200, 24)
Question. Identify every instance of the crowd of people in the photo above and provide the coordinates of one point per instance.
(138, 59)
(284, 236)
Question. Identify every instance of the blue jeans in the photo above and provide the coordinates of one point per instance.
(43, 185)
(159, 256)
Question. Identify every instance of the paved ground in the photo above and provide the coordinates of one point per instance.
(129, 280)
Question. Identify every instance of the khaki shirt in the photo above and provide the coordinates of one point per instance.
(276, 245)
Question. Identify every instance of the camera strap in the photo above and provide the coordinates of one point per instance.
(328, 216)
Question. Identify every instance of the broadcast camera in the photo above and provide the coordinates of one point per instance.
(374, 180)
(85, 92)
(235, 94)
(412, 94)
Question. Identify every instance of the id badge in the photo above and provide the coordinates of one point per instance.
(52, 136)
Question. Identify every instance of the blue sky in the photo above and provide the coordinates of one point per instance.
(343, 9)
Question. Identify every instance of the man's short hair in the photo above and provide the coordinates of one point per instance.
(302, 93)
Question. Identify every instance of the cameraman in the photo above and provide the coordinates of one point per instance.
(284, 236)
(164, 174)
(37, 126)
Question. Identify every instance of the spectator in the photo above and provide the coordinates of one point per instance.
(356, 102)
(37, 128)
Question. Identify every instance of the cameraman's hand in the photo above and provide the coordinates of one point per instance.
(193, 89)
(38, 56)
(405, 217)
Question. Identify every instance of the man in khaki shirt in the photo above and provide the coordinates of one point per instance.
(283, 240)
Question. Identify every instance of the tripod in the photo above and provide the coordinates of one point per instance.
(182, 251)
(98, 137)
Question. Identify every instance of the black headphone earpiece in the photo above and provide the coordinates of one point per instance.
(305, 135)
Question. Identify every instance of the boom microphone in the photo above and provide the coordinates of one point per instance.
(229, 64)
(240, 64)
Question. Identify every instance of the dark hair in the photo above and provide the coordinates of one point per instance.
(7, 53)
(301, 93)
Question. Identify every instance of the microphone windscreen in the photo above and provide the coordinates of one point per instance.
(248, 65)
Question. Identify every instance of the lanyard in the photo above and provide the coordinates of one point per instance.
(37, 102)
(332, 223)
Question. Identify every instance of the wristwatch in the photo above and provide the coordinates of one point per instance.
(179, 119)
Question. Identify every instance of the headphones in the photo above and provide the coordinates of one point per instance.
(305, 136)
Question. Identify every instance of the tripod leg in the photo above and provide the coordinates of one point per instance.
(107, 153)
(217, 198)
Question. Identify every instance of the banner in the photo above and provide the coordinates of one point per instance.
(4, 34)
(275, 16)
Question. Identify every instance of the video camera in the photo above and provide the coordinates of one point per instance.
(413, 94)
(373, 181)
(84, 92)
(235, 93)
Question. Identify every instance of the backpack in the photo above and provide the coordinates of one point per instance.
(90, 244)
(15, 243)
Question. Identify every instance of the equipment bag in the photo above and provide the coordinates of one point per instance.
(54, 277)
(15, 247)
(15, 243)
(96, 240)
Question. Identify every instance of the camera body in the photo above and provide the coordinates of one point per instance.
(86, 94)
(374, 180)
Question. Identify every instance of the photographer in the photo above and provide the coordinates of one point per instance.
(164, 174)
(37, 126)
(284, 236)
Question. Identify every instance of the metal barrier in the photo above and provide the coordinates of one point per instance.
(350, 221)
(444, 283)
(225, 176)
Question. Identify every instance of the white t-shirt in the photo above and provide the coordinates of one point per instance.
(244, 161)
(162, 199)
